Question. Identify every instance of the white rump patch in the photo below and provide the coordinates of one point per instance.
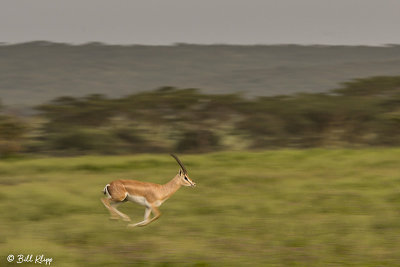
(105, 190)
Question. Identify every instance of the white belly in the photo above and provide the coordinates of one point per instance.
(138, 199)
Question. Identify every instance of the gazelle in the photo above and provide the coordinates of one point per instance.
(147, 194)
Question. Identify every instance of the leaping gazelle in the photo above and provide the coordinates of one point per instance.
(147, 194)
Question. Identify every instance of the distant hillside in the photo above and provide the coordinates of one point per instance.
(32, 73)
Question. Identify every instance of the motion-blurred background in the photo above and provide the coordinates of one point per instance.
(287, 116)
(61, 99)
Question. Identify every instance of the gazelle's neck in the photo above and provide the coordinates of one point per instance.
(171, 187)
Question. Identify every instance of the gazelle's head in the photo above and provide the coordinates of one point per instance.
(183, 175)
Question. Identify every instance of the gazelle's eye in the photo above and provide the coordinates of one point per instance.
(186, 178)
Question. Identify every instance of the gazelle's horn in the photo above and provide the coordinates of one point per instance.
(179, 162)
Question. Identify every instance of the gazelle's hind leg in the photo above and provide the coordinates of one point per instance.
(116, 194)
(146, 220)
(106, 202)
(124, 217)
(112, 207)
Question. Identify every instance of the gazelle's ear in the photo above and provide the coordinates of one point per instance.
(180, 171)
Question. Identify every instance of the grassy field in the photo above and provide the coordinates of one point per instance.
(273, 208)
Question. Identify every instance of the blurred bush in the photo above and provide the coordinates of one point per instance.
(82, 139)
(12, 131)
(198, 141)
(363, 112)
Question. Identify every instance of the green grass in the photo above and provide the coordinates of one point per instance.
(274, 208)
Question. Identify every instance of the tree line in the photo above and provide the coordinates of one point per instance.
(363, 112)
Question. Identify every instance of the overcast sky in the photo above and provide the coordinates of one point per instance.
(350, 22)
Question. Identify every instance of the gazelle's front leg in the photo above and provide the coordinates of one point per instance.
(146, 218)
(146, 221)
(156, 214)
